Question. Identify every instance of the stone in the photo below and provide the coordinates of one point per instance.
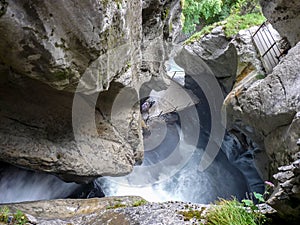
(161, 27)
(70, 75)
(284, 16)
(284, 176)
(266, 110)
(249, 63)
(273, 100)
(286, 168)
(285, 199)
(109, 210)
(51, 50)
(37, 132)
(58, 43)
(219, 54)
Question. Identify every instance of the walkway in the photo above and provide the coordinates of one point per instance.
(270, 46)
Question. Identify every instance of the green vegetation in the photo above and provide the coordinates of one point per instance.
(4, 214)
(139, 203)
(205, 30)
(232, 212)
(119, 204)
(260, 76)
(236, 22)
(17, 218)
(194, 11)
(233, 15)
(115, 206)
(190, 214)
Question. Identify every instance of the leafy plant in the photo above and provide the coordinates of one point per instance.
(20, 218)
(4, 214)
(139, 203)
(115, 206)
(235, 23)
(17, 218)
(232, 25)
(260, 76)
(243, 7)
(232, 212)
(239, 14)
(195, 10)
(190, 214)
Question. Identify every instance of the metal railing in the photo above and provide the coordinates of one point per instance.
(268, 48)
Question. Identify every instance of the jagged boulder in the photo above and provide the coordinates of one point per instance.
(287, 197)
(219, 54)
(284, 16)
(58, 42)
(268, 103)
(268, 112)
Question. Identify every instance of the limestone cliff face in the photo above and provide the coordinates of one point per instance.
(52, 50)
(161, 27)
(284, 16)
(268, 112)
(263, 111)
(58, 42)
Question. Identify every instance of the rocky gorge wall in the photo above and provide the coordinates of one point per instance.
(59, 62)
(262, 114)
(267, 111)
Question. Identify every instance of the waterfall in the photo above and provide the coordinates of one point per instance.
(19, 185)
(184, 183)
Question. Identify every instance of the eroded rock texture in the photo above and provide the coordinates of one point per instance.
(268, 112)
(219, 54)
(161, 27)
(113, 210)
(58, 42)
(284, 16)
(287, 196)
(51, 50)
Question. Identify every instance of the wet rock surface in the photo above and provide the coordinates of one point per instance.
(219, 54)
(48, 52)
(267, 104)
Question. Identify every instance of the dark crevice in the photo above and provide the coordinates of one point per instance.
(282, 85)
(23, 123)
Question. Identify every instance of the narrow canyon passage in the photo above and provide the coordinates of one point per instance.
(170, 169)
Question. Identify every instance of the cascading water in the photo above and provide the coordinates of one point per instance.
(18, 185)
(170, 170)
(174, 147)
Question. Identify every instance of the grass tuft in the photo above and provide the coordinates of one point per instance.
(232, 212)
